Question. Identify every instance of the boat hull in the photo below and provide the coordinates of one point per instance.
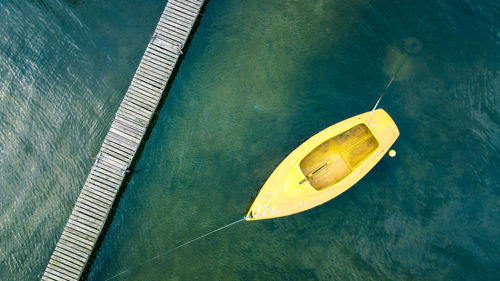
(299, 184)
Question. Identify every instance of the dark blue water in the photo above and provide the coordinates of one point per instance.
(259, 78)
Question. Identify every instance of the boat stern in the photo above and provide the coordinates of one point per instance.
(383, 128)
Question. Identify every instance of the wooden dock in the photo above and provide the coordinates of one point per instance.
(120, 145)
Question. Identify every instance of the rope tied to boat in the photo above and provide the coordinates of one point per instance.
(388, 85)
(175, 248)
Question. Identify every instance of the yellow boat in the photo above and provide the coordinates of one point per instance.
(325, 165)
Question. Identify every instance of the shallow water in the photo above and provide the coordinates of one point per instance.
(259, 78)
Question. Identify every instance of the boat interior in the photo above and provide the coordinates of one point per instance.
(337, 157)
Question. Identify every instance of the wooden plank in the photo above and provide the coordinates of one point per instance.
(121, 141)
(144, 92)
(111, 161)
(198, 3)
(154, 93)
(149, 76)
(172, 47)
(142, 75)
(134, 96)
(104, 164)
(130, 125)
(186, 6)
(84, 228)
(59, 263)
(97, 200)
(96, 195)
(158, 48)
(153, 85)
(87, 206)
(111, 173)
(107, 148)
(117, 146)
(149, 90)
(172, 15)
(134, 110)
(98, 181)
(45, 277)
(163, 54)
(76, 252)
(127, 148)
(70, 255)
(97, 192)
(166, 65)
(63, 263)
(194, 4)
(81, 218)
(160, 34)
(137, 101)
(88, 220)
(167, 16)
(101, 188)
(123, 135)
(176, 24)
(117, 174)
(82, 242)
(74, 264)
(52, 277)
(109, 170)
(174, 27)
(180, 15)
(117, 154)
(94, 202)
(152, 70)
(77, 242)
(76, 231)
(170, 32)
(75, 246)
(160, 70)
(62, 270)
(181, 10)
(57, 275)
(145, 101)
(90, 210)
(118, 139)
(161, 67)
(99, 175)
(125, 113)
(171, 26)
(137, 109)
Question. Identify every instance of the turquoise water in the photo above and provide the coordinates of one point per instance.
(259, 78)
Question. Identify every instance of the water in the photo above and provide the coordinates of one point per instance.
(259, 78)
